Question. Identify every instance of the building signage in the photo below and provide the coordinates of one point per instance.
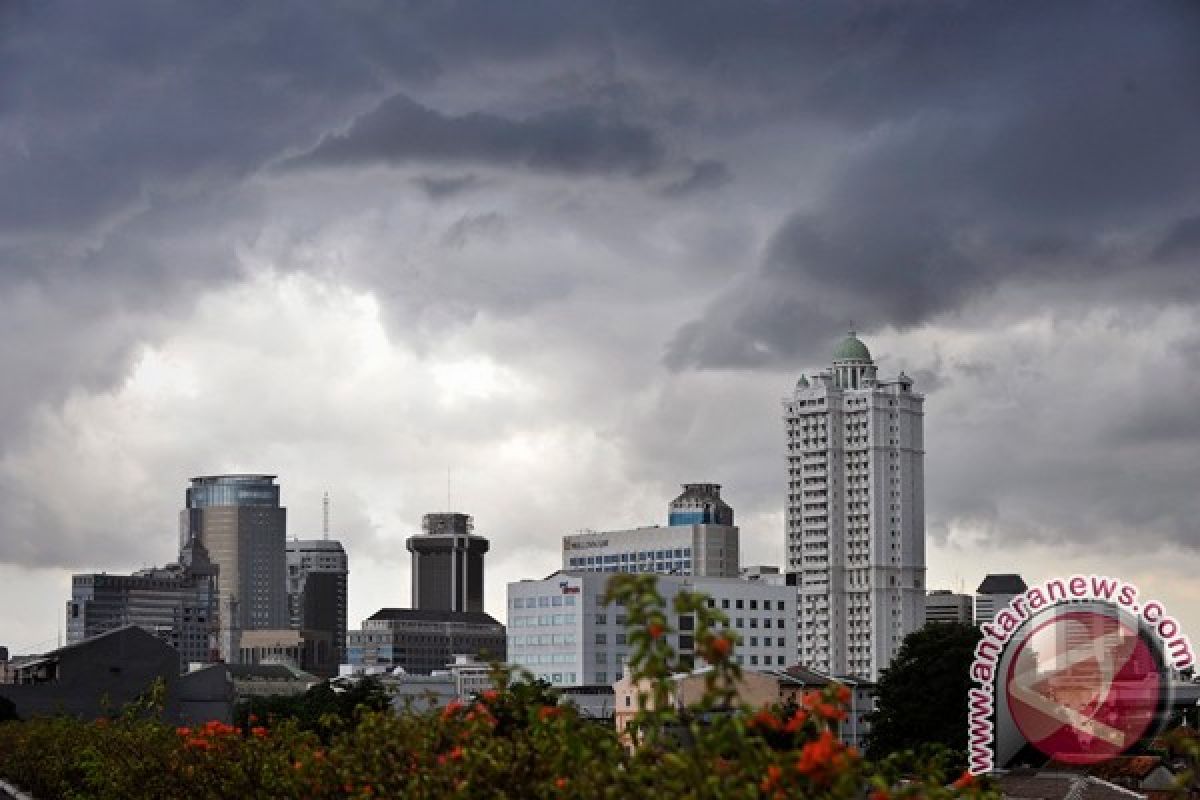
(1076, 670)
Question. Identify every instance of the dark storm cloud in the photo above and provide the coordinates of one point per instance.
(441, 187)
(572, 140)
(1181, 241)
(966, 151)
(703, 176)
(1058, 170)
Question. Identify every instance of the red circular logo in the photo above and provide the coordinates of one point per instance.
(1084, 686)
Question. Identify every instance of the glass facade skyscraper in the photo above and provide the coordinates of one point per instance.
(239, 521)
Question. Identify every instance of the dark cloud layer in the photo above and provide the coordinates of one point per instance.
(1017, 161)
(779, 171)
(571, 140)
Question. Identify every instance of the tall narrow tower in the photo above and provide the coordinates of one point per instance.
(447, 564)
(238, 520)
(855, 532)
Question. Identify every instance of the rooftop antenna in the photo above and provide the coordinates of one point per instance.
(325, 515)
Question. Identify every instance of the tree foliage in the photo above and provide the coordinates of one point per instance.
(922, 695)
(8, 710)
(512, 741)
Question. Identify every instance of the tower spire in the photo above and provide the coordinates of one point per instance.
(325, 516)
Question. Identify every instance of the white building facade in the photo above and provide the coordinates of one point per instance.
(943, 605)
(560, 630)
(855, 535)
(699, 539)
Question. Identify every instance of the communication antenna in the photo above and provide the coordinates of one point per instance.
(325, 515)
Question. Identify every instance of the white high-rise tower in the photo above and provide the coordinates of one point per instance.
(855, 513)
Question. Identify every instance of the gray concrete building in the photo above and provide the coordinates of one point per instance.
(447, 564)
(421, 640)
(240, 522)
(317, 590)
(176, 603)
(943, 605)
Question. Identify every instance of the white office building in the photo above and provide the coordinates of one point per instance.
(943, 605)
(855, 533)
(994, 593)
(559, 629)
(699, 539)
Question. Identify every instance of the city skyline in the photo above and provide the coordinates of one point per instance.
(577, 255)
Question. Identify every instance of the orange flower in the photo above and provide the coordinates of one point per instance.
(560, 783)
(764, 719)
(258, 732)
(774, 775)
(199, 744)
(797, 721)
(830, 712)
(811, 699)
(719, 648)
(457, 753)
(548, 712)
(183, 731)
(880, 794)
(452, 708)
(490, 696)
(655, 630)
(817, 755)
(965, 781)
(842, 694)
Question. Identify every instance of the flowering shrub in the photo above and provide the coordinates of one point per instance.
(513, 741)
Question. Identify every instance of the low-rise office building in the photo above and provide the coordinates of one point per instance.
(700, 539)
(943, 605)
(177, 603)
(562, 632)
(421, 641)
(756, 689)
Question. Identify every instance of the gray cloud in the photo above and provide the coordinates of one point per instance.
(1064, 171)
(1001, 196)
(572, 140)
(703, 176)
(440, 187)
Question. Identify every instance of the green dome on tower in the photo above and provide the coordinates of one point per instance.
(851, 349)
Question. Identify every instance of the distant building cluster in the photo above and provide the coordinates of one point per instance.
(274, 610)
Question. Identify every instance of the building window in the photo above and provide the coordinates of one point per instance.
(601, 638)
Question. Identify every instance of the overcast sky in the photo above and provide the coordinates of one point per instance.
(575, 253)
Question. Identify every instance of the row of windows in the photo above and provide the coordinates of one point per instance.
(542, 620)
(641, 555)
(664, 567)
(545, 601)
(738, 603)
(542, 640)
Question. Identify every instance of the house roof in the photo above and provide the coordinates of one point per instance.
(1028, 784)
(1005, 583)
(430, 615)
(268, 672)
